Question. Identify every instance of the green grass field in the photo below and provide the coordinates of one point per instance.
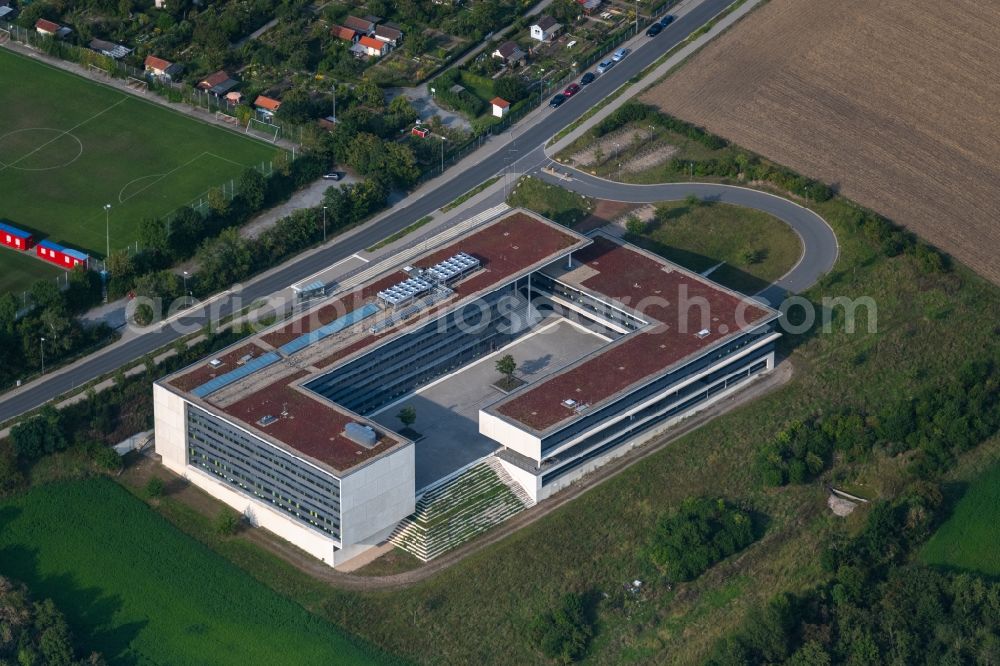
(69, 146)
(968, 539)
(139, 591)
(18, 270)
(700, 237)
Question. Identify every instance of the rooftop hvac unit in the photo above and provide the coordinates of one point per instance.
(265, 421)
(361, 434)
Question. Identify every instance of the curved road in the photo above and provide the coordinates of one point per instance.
(819, 243)
(437, 193)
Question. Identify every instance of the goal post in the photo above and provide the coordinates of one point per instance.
(97, 69)
(263, 130)
(226, 118)
(4, 35)
(137, 84)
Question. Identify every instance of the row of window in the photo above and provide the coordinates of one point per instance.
(629, 431)
(257, 469)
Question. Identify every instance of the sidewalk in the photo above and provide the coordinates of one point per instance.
(661, 70)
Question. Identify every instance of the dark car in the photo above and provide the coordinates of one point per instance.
(557, 101)
(666, 20)
(571, 90)
(587, 78)
(331, 176)
(654, 30)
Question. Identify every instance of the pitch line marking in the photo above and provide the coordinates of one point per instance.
(60, 135)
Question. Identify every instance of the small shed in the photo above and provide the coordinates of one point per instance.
(500, 106)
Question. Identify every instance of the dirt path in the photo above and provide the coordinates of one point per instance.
(206, 505)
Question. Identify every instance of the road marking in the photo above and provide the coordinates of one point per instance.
(361, 258)
(321, 271)
(200, 305)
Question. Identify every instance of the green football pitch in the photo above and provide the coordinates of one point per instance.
(69, 146)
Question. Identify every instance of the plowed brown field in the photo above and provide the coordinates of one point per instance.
(896, 102)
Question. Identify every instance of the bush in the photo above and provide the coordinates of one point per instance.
(154, 487)
(797, 454)
(227, 523)
(635, 226)
(702, 532)
(563, 633)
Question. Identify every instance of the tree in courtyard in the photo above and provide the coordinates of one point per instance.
(507, 366)
(407, 416)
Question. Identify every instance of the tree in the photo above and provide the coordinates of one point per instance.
(507, 366)
(510, 88)
(39, 436)
(153, 235)
(218, 201)
(369, 94)
(253, 188)
(407, 416)
(8, 312)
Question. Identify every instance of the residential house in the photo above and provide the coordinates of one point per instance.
(345, 34)
(371, 47)
(510, 53)
(7, 13)
(109, 49)
(545, 28)
(218, 84)
(266, 106)
(364, 26)
(589, 6)
(160, 68)
(500, 106)
(389, 34)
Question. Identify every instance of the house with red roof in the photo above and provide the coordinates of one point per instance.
(47, 28)
(345, 34)
(160, 68)
(266, 106)
(371, 47)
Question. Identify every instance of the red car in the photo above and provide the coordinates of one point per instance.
(571, 89)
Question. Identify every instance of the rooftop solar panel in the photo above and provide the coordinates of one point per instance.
(235, 375)
(335, 326)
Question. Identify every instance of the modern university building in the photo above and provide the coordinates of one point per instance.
(296, 426)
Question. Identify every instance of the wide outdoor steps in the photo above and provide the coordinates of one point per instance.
(460, 509)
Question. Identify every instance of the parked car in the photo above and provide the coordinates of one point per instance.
(620, 54)
(605, 66)
(331, 176)
(571, 90)
(654, 30)
(666, 20)
(557, 101)
(587, 78)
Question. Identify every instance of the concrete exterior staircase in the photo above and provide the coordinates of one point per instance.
(460, 509)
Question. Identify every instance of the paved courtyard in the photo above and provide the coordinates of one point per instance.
(448, 410)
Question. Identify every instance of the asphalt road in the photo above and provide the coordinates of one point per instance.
(409, 211)
(819, 243)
